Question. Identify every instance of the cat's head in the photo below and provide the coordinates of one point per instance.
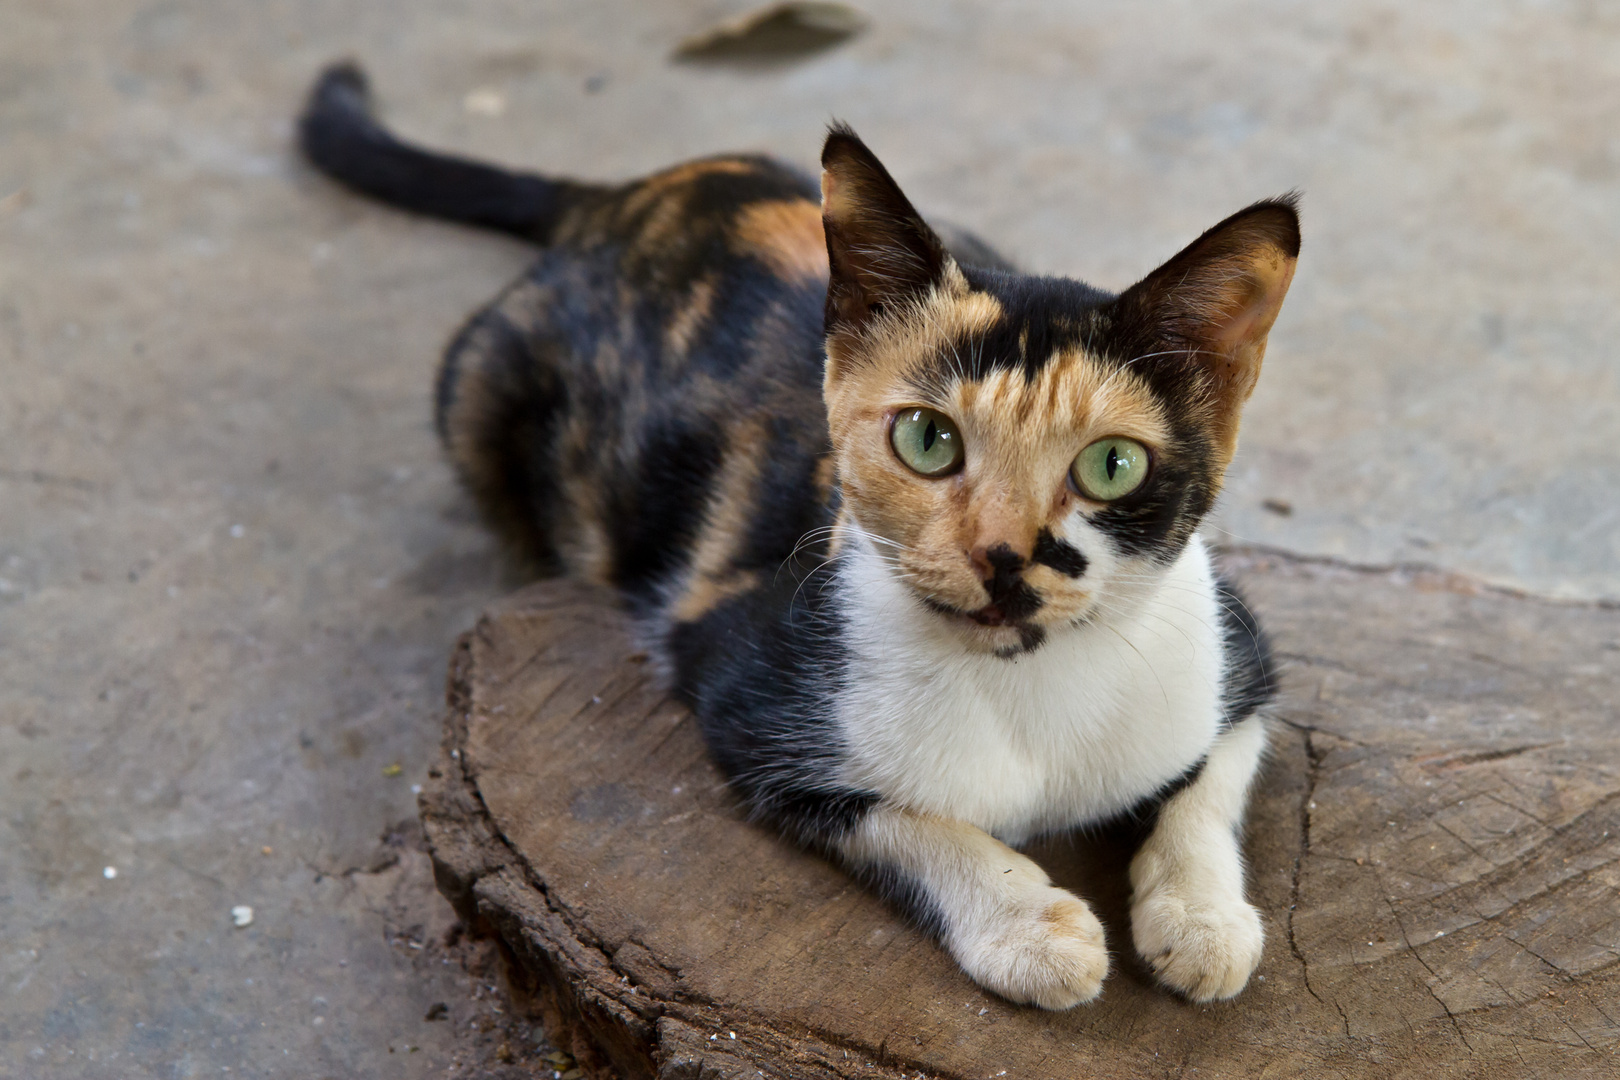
(1022, 451)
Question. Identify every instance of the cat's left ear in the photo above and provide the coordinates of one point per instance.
(1217, 300)
(880, 252)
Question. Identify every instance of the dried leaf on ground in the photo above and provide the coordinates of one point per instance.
(774, 33)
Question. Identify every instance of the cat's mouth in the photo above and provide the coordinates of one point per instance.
(989, 615)
(1017, 636)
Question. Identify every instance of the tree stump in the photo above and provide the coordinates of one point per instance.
(1433, 845)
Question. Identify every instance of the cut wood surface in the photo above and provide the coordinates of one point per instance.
(1433, 846)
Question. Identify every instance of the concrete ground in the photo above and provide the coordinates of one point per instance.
(232, 562)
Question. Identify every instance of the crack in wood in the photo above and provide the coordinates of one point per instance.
(1312, 775)
(1444, 762)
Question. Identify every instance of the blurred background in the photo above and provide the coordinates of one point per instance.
(232, 562)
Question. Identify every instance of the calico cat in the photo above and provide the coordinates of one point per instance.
(914, 534)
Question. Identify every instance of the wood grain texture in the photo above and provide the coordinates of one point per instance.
(1434, 847)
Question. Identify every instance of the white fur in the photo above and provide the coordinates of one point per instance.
(1009, 927)
(1099, 716)
(1188, 916)
(972, 752)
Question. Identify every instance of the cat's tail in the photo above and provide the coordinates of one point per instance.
(341, 137)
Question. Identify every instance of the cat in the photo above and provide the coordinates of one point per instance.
(914, 534)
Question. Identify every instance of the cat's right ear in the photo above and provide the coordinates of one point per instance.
(881, 254)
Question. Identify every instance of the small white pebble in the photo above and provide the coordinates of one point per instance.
(733, 1034)
(1439, 933)
(238, 532)
(242, 915)
(109, 872)
(416, 789)
(319, 1020)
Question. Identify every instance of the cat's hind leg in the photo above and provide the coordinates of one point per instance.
(499, 402)
(996, 911)
(1189, 919)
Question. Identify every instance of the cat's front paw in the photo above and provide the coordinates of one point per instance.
(1048, 951)
(1204, 947)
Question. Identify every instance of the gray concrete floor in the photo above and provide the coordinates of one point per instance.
(232, 562)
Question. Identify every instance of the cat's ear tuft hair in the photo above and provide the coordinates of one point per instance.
(880, 251)
(1217, 300)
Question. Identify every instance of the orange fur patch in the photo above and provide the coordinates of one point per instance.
(683, 327)
(703, 594)
(786, 235)
(725, 528)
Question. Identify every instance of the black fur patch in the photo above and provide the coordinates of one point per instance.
(1030, 638)
(1041, 317)
(1159, 517)
(338, 134)
(1008, 590)
(1060, 555)
(1251, 674)
(654, 519)
(782, 514)
(1140, 818)
(761, 675)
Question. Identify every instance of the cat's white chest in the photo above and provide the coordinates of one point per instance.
(1095, 719)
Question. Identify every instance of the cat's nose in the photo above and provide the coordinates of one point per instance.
(997, 561)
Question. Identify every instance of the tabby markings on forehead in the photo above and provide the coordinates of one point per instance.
(1073, 392)
(949, 312)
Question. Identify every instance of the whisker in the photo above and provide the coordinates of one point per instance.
(1145, 660)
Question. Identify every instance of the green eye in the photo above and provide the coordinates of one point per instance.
(1110, 469)
(926, 441)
